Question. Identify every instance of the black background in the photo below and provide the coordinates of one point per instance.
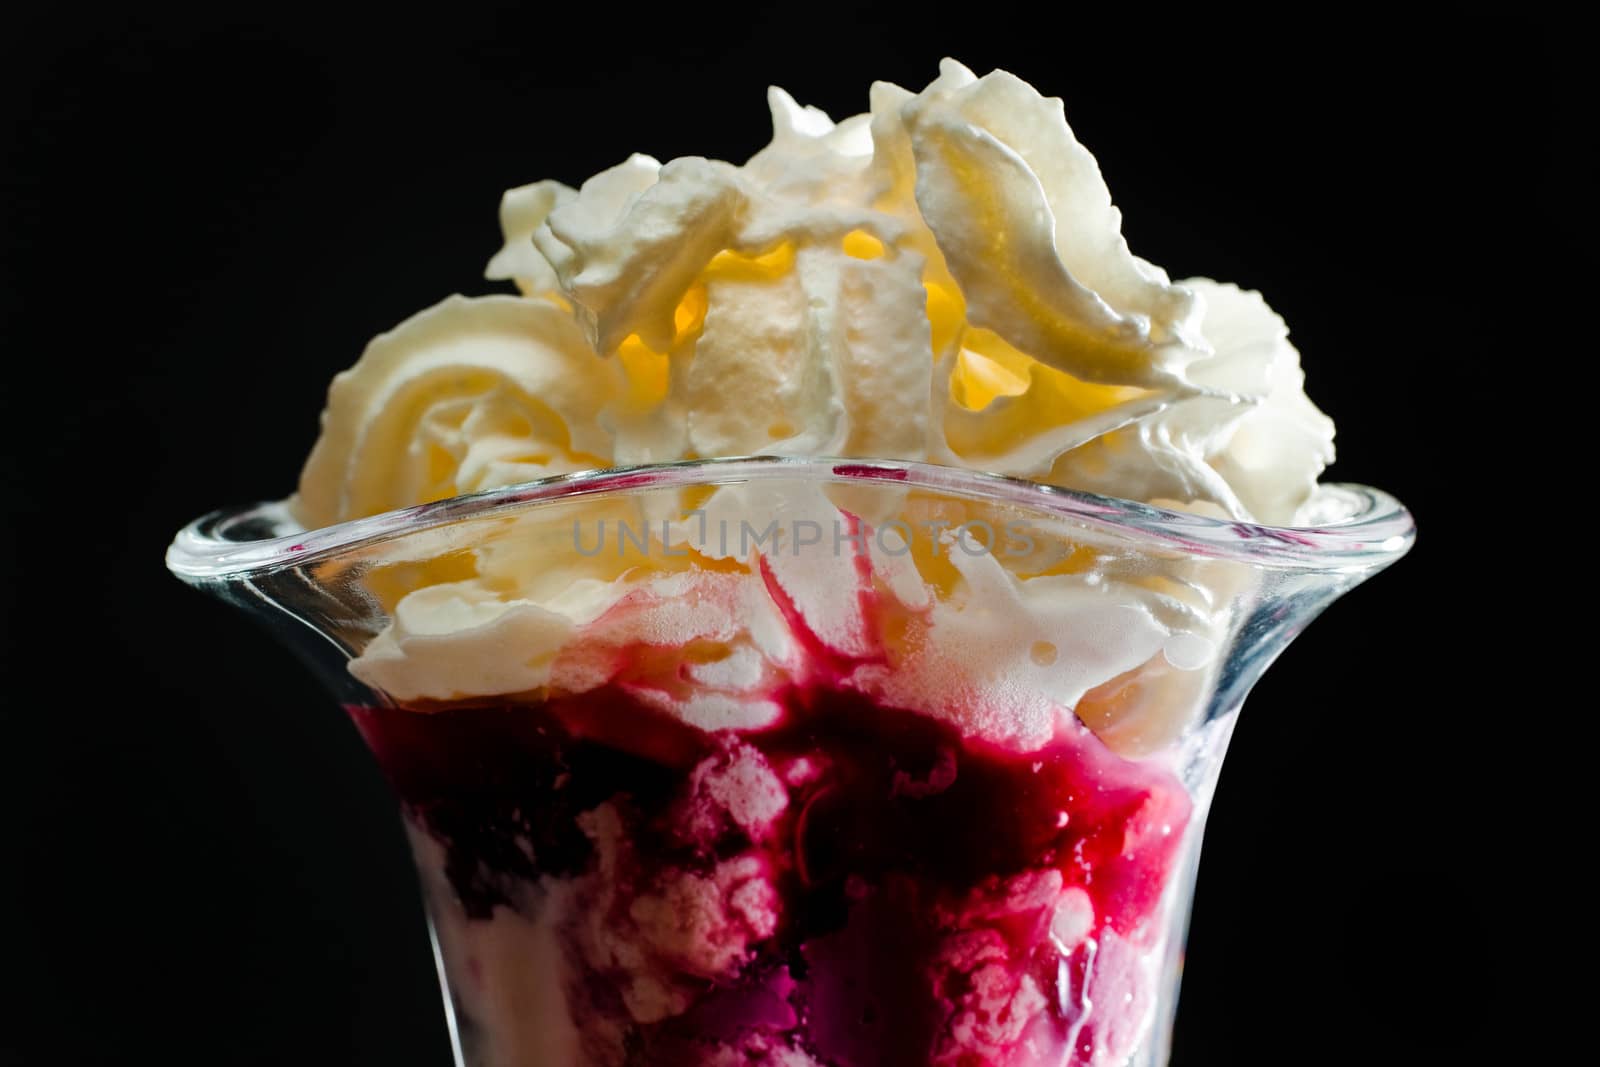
(204, 220)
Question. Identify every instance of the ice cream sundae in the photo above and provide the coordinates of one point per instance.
(855, 770)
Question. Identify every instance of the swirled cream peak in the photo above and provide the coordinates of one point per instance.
(943, 278)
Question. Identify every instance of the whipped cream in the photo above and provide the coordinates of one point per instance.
(940, 279)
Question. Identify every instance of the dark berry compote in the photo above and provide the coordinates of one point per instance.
(851, 884)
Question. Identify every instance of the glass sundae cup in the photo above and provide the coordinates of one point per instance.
(799, 775)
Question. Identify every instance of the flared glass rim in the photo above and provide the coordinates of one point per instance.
(1372, 528)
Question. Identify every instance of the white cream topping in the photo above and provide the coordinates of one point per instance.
(468, 395)
(942, 278)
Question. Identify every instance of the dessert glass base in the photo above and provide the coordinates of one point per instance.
(798, 762)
